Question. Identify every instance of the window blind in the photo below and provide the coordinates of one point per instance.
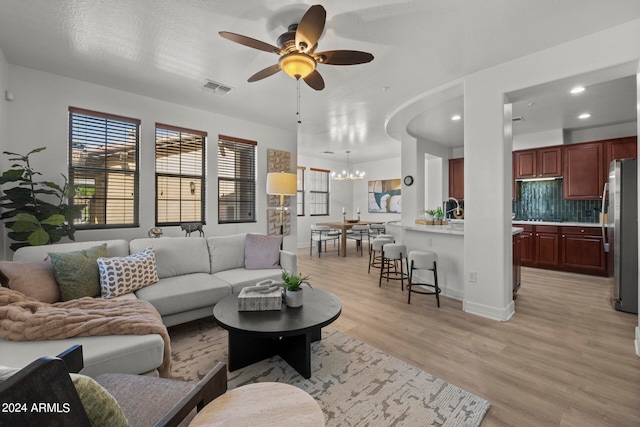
(236, 180)
(103, 167)
(180, 175)
(318, 191)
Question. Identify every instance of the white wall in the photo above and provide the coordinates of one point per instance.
(350, 195)
(4, 135)
(602, 132)
(538, 139)
(39, 117)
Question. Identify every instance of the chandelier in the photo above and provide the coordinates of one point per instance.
(347, 175)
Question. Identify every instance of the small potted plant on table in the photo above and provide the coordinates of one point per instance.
(292, 283)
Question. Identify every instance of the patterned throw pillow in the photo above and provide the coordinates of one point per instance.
(122, 275)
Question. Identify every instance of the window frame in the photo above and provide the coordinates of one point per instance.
(74, 170)
(313, 192)
(252, 181)
(202, 177)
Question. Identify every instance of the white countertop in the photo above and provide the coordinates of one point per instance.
(564, 224)
(443, 229)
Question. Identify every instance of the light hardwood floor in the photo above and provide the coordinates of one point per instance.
(566, 358)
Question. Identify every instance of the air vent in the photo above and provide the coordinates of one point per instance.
(518, 119)
(217, 88)
(328, 152)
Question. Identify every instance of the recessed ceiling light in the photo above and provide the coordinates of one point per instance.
(584, 116)
(456, 117)
(577, 89)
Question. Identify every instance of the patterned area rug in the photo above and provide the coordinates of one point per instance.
(354, 383)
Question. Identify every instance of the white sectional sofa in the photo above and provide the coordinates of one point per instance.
(194, 274)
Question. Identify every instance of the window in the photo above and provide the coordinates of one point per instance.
(103, 167)
(318, 191)
(180, 175)
(236, 180)
(300, 198)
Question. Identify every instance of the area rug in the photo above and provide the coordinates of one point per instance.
(354, 383)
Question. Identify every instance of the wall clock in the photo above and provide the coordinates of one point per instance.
(408, 180)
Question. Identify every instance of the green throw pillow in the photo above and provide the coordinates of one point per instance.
(77, 272)
(101, 407)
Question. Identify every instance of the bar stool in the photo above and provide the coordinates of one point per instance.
(392, 253)
(375, 254)
(423, 260)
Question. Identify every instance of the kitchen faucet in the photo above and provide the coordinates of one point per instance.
(457, 208)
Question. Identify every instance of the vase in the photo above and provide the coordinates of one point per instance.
(293, 299)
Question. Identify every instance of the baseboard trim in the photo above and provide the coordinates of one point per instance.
(493, 313)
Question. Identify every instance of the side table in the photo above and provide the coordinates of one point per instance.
(261, 404)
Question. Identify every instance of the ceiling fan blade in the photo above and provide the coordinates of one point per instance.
(310, 28)
(343, 57)
(315, 80)
(248, 41)
(269, 71)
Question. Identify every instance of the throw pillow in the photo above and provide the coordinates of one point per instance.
(34, 279)
(122, 275)
(101, 407)
(262, 251)
(77, 272)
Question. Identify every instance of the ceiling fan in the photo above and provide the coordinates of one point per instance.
(296, 48)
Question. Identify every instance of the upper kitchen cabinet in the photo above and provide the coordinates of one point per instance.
(583, 170)
(538, 163)
(456, 178)
(620, 148)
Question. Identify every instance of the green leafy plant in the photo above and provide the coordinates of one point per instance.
(430, 212)
(438, 213)
(35, 211)
(292, 282)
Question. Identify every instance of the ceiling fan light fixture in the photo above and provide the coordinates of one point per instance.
(297, 65)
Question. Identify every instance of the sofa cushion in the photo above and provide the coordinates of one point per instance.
(77, 272)
(34, 279)
(238, 278)
(262, 251)
(176, 294)
(176, 256)
(116, 247)
(226, 252)
(122, 275)
(128, 354)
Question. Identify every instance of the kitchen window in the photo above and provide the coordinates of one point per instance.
(103, 168)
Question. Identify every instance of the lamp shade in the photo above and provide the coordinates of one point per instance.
(297, 65)
(282, 183)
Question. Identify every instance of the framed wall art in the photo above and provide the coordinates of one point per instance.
(385, 196)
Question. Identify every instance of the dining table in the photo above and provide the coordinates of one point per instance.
(343, 226)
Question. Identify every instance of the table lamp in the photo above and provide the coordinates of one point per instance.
(282, 184)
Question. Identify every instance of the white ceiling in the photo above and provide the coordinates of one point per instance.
(167, 49)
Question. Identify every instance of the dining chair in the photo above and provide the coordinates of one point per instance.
(320, 234)
(360, 233)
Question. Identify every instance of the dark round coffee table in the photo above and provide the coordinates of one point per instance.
(258, 335)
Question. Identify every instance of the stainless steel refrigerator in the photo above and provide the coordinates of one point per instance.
(621, 235)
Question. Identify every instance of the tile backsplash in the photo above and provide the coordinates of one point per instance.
(544, 200)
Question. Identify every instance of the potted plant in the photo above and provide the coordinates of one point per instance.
(430, 213)
(35, 211)
(291, 284)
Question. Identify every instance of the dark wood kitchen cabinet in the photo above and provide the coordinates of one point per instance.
(527, 246)
(547, 245)
(620, 148)
(583, 170)
(538, 163)
(456, 178)
(582, 250)
(517, 255)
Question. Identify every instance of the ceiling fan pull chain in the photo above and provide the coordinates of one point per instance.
(298, 112)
